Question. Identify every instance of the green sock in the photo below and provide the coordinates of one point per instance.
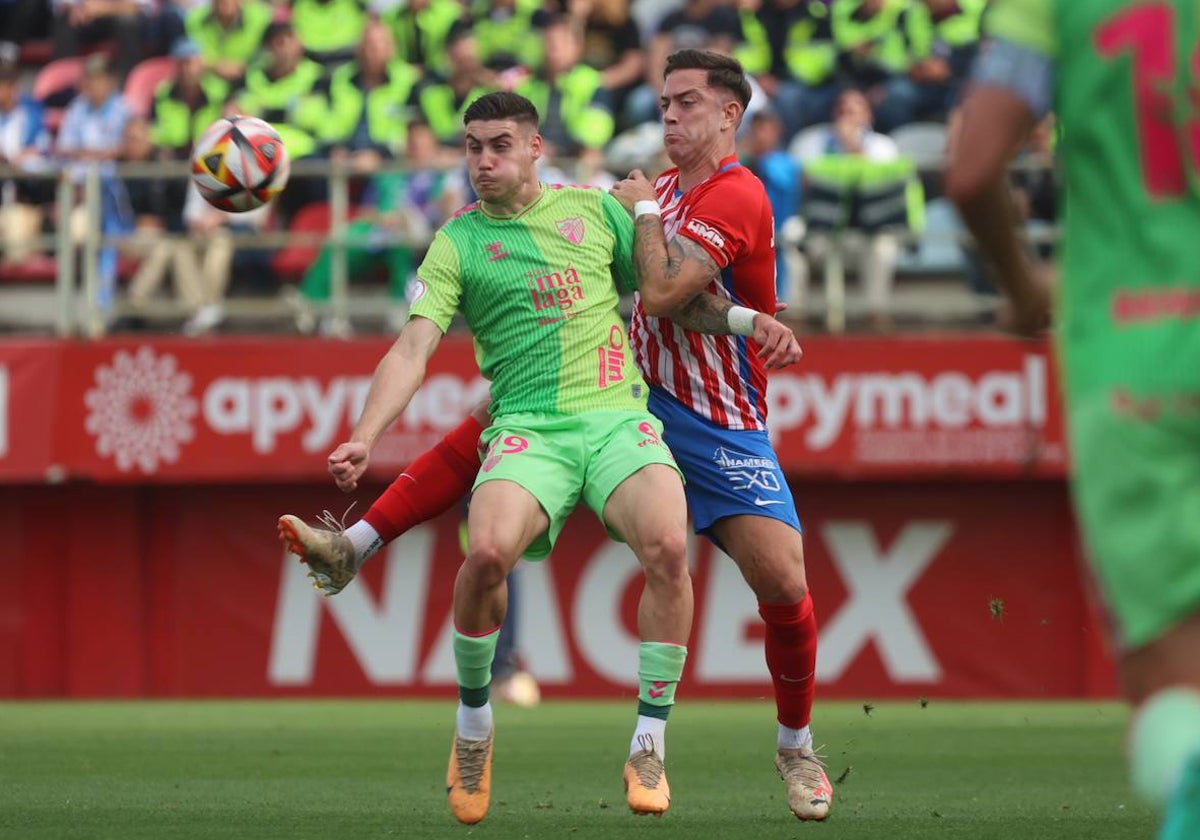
(1182, 820)
(660, 667)
(473, 657)
(1165, 734)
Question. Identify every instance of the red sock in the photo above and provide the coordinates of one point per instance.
(432, 484)
(791, 647)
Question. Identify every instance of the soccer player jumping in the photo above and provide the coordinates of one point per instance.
(1121, 78)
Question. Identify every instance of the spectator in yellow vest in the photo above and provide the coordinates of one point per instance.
(290, 92)
(329, 29)
(370, 101)
(229, 34)
(611, 43)
(508, 32)
(943, 39)
(443, 100)
(187, 103)
(570, 97)
(421, 29)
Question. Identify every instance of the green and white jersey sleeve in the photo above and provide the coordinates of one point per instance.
(437, 295)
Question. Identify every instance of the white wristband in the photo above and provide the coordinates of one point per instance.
(741, 320)
(646, 207)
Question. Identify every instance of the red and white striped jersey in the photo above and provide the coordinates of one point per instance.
(719, 377)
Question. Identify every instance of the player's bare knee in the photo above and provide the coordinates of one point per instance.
(487, 566)
(770, 590)
(774, 579)
(665, 559)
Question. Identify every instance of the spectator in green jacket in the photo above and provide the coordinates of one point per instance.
(943, 42)
(421, 28)
(569, 95)
(330, 30)
(789, 51)
(371, 99)
(874, 42)
(229, 34)
(289, 91)
(612, 44)
(443, 100)
(187, 103)
(508, 32)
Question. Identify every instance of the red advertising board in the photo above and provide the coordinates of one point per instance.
(271, 409)
(943, 589)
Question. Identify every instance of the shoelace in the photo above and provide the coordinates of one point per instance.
(332, 522)
(472, 755)
(806, 768)
(647, 764)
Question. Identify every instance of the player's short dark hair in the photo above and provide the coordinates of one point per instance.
(723, 71)
(502, 105)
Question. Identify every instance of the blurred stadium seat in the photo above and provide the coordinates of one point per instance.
(54, 85)
(924, 142)
(144, 80)
(291, 261)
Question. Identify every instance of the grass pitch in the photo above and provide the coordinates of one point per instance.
(375, 769)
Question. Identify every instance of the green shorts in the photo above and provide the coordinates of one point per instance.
(560, 458)
(1136, 487)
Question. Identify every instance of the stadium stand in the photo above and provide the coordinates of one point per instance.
(806, 43)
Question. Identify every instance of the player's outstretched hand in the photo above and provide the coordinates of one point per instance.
(632, 189)
(347, 463)
(777, 343)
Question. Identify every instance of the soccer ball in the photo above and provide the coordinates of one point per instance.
(239, 163)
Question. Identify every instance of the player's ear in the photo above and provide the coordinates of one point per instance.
(733, 113)
(535, 146)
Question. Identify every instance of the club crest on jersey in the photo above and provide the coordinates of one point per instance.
(708, 234)
(571, 229)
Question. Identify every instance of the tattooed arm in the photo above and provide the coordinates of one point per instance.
(685, 269)
(670, 274)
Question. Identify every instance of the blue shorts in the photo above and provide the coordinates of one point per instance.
(728, 473)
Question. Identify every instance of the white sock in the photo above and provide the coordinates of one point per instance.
(473, 723)
(654, 729)
(793, 739)
(365, 539)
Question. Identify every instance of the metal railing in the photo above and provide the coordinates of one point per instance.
(79, 309)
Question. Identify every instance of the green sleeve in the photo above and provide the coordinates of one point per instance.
(438, 296)
(1028, 23)
(621, 226)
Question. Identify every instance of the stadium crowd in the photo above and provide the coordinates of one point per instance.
(379, 85)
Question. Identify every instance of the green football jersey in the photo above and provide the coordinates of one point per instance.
(539, 292)
(1128, 102)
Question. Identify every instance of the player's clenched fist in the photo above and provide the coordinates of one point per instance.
(632, 189)
(347, 464)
